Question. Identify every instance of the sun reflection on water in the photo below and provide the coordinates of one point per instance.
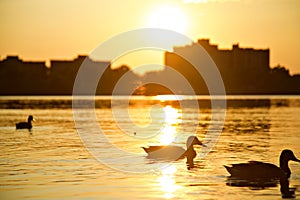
(167, 181)
(172, 117)
(164, 98)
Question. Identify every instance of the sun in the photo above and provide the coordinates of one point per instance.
(168, 17)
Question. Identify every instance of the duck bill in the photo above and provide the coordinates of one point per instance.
(296, 160)
(201, 144)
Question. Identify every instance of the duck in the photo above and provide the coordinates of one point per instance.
(264, 171)
(25, 125)
(172, 152)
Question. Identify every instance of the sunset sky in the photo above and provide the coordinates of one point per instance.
(61, 29)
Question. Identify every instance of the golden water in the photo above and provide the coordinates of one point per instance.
(51, 161)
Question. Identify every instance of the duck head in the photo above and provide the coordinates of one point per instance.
(30, 118)
(192, 140)
(287, 155)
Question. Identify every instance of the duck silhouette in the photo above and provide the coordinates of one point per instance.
(25, 125)
(261, 170)
(172, 152)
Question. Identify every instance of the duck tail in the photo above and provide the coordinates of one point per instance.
(229, 169)
(145, 149)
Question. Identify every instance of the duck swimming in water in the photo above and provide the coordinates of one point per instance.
(261, 170)
(174, 152)
(25, 125)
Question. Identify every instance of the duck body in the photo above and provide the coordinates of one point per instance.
(172, 152)
(25, 125)
(255, 170)
(165, 152)
(261, 170)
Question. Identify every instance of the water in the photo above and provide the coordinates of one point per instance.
(50, 161)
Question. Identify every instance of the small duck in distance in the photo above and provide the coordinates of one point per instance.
(25, 125)
(266, 171)
(172, 152)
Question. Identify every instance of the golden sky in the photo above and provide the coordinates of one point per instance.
(61, 29)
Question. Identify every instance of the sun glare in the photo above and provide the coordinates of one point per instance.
(172, 119)
(164, 98)
(168, 17)
(167, 181)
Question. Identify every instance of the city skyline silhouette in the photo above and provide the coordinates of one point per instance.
(244, 71)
